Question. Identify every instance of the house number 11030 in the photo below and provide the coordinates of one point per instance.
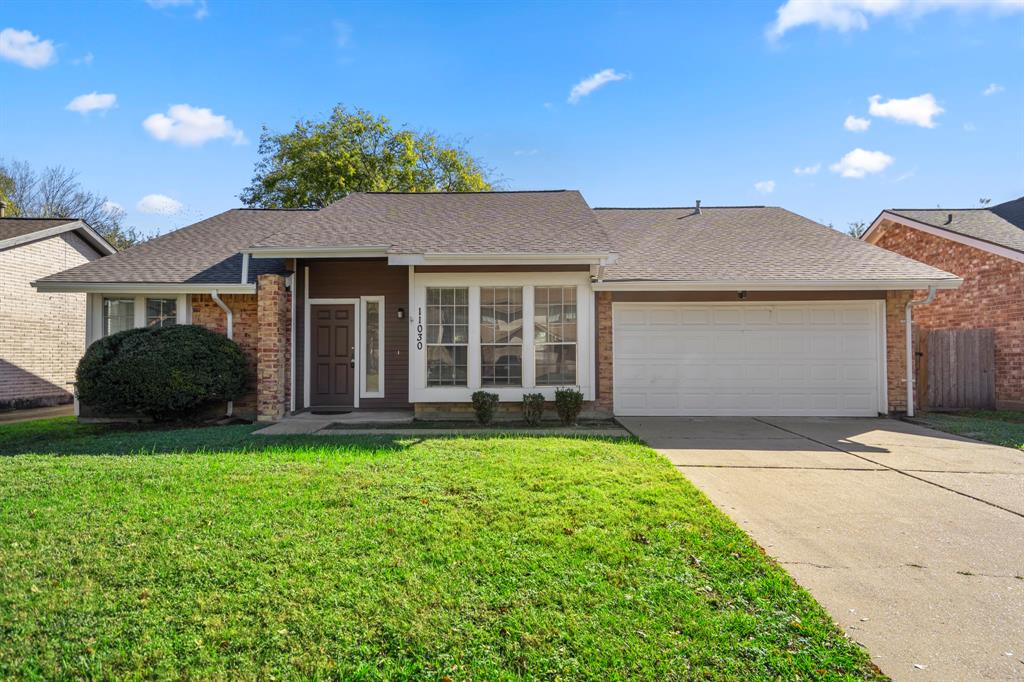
(419, 329)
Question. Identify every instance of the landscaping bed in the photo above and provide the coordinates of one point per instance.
(1005, 427)
(212, 553)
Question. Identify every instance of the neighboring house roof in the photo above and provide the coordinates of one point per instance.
(1001, 225)
(205, 253)
(16, 231)
(495, 223)
(759, 245)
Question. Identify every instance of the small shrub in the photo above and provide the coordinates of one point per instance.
(533, 408)
(569, 403)
(485, 405)
(167, 374)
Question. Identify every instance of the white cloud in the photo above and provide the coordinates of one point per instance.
(765, 186)
(906, 176)
(856, 125)
(847, 15)
(918, 110)
(588, 85)
(202, 11)
(159, 204)
(113, 206)
(860, 162)
(94, 101)
(25, 48)
(807, 170)
(191, 126)
(992, 89)
(342, 34)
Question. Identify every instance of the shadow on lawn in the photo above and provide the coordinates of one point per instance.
(65, 436)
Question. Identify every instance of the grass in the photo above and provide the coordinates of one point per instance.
(214, 553)
(1002, 427)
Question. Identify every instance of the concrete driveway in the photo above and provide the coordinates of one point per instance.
(911, 538)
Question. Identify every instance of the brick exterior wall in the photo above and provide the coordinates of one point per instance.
(206, 313)
(42, 335)
(896, 348)
(273, 353)
(992, 296)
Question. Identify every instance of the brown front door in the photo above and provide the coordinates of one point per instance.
(333, 350)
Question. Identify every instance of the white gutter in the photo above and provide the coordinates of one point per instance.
(910, 346)
(230, 329)
(245, 267)
(138, 288)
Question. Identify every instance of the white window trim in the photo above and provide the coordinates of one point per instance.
(94, 306)
(585, 351)
(363, 300)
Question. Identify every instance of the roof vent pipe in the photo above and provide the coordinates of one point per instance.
(949, 218)
(698, 206)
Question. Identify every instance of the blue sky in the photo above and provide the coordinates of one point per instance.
(718, 102)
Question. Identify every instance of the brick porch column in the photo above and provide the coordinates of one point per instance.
(271, 347)
(896, 348)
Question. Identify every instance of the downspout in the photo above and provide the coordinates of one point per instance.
(230, 332)
(908, 317)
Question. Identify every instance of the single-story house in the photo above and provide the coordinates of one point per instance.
(42, 334)
(985, 247)
(387, 301)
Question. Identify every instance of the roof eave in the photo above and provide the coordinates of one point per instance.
(872, 235)
(778, 285)
(143, 287)
(95, 240)
(523, 258)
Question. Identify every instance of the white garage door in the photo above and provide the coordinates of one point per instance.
(748, 359)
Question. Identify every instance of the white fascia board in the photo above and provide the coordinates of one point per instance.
(872, 236)
(91, 236)
(141, 288)
(319, 252)
(815, 285)
(500, 258)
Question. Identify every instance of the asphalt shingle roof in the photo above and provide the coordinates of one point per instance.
(745, 243)
(207, 252)
(557, 221)
(1002, 224)
(19, 227)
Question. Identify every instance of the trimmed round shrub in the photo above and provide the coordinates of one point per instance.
(533, 408)
(167, 374)
(568, 404)
(485, 405)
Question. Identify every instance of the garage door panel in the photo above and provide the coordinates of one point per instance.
(714, 359)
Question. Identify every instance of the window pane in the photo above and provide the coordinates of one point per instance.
(372, 351)
(556, 364)
(447, 334)
(446, 365)
(501, 336)
(118, 315)
(161, 312)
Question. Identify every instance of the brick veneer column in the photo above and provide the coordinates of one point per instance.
(271, 347)
(604, 350)
(896, 348)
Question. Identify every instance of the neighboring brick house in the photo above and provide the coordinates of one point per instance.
(984, 246)
(42, 335)
(414, 301)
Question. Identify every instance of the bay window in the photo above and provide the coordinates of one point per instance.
(447, 337)
(501, 336)
(554, 333)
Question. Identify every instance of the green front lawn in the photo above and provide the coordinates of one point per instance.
(211, 552)
(1002, 428)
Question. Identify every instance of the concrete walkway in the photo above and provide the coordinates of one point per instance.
(36, 413)
(912, 539)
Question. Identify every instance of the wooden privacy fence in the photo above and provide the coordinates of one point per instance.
(955, 369)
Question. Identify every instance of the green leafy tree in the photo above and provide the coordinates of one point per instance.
(319, 162)
(55, 192)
